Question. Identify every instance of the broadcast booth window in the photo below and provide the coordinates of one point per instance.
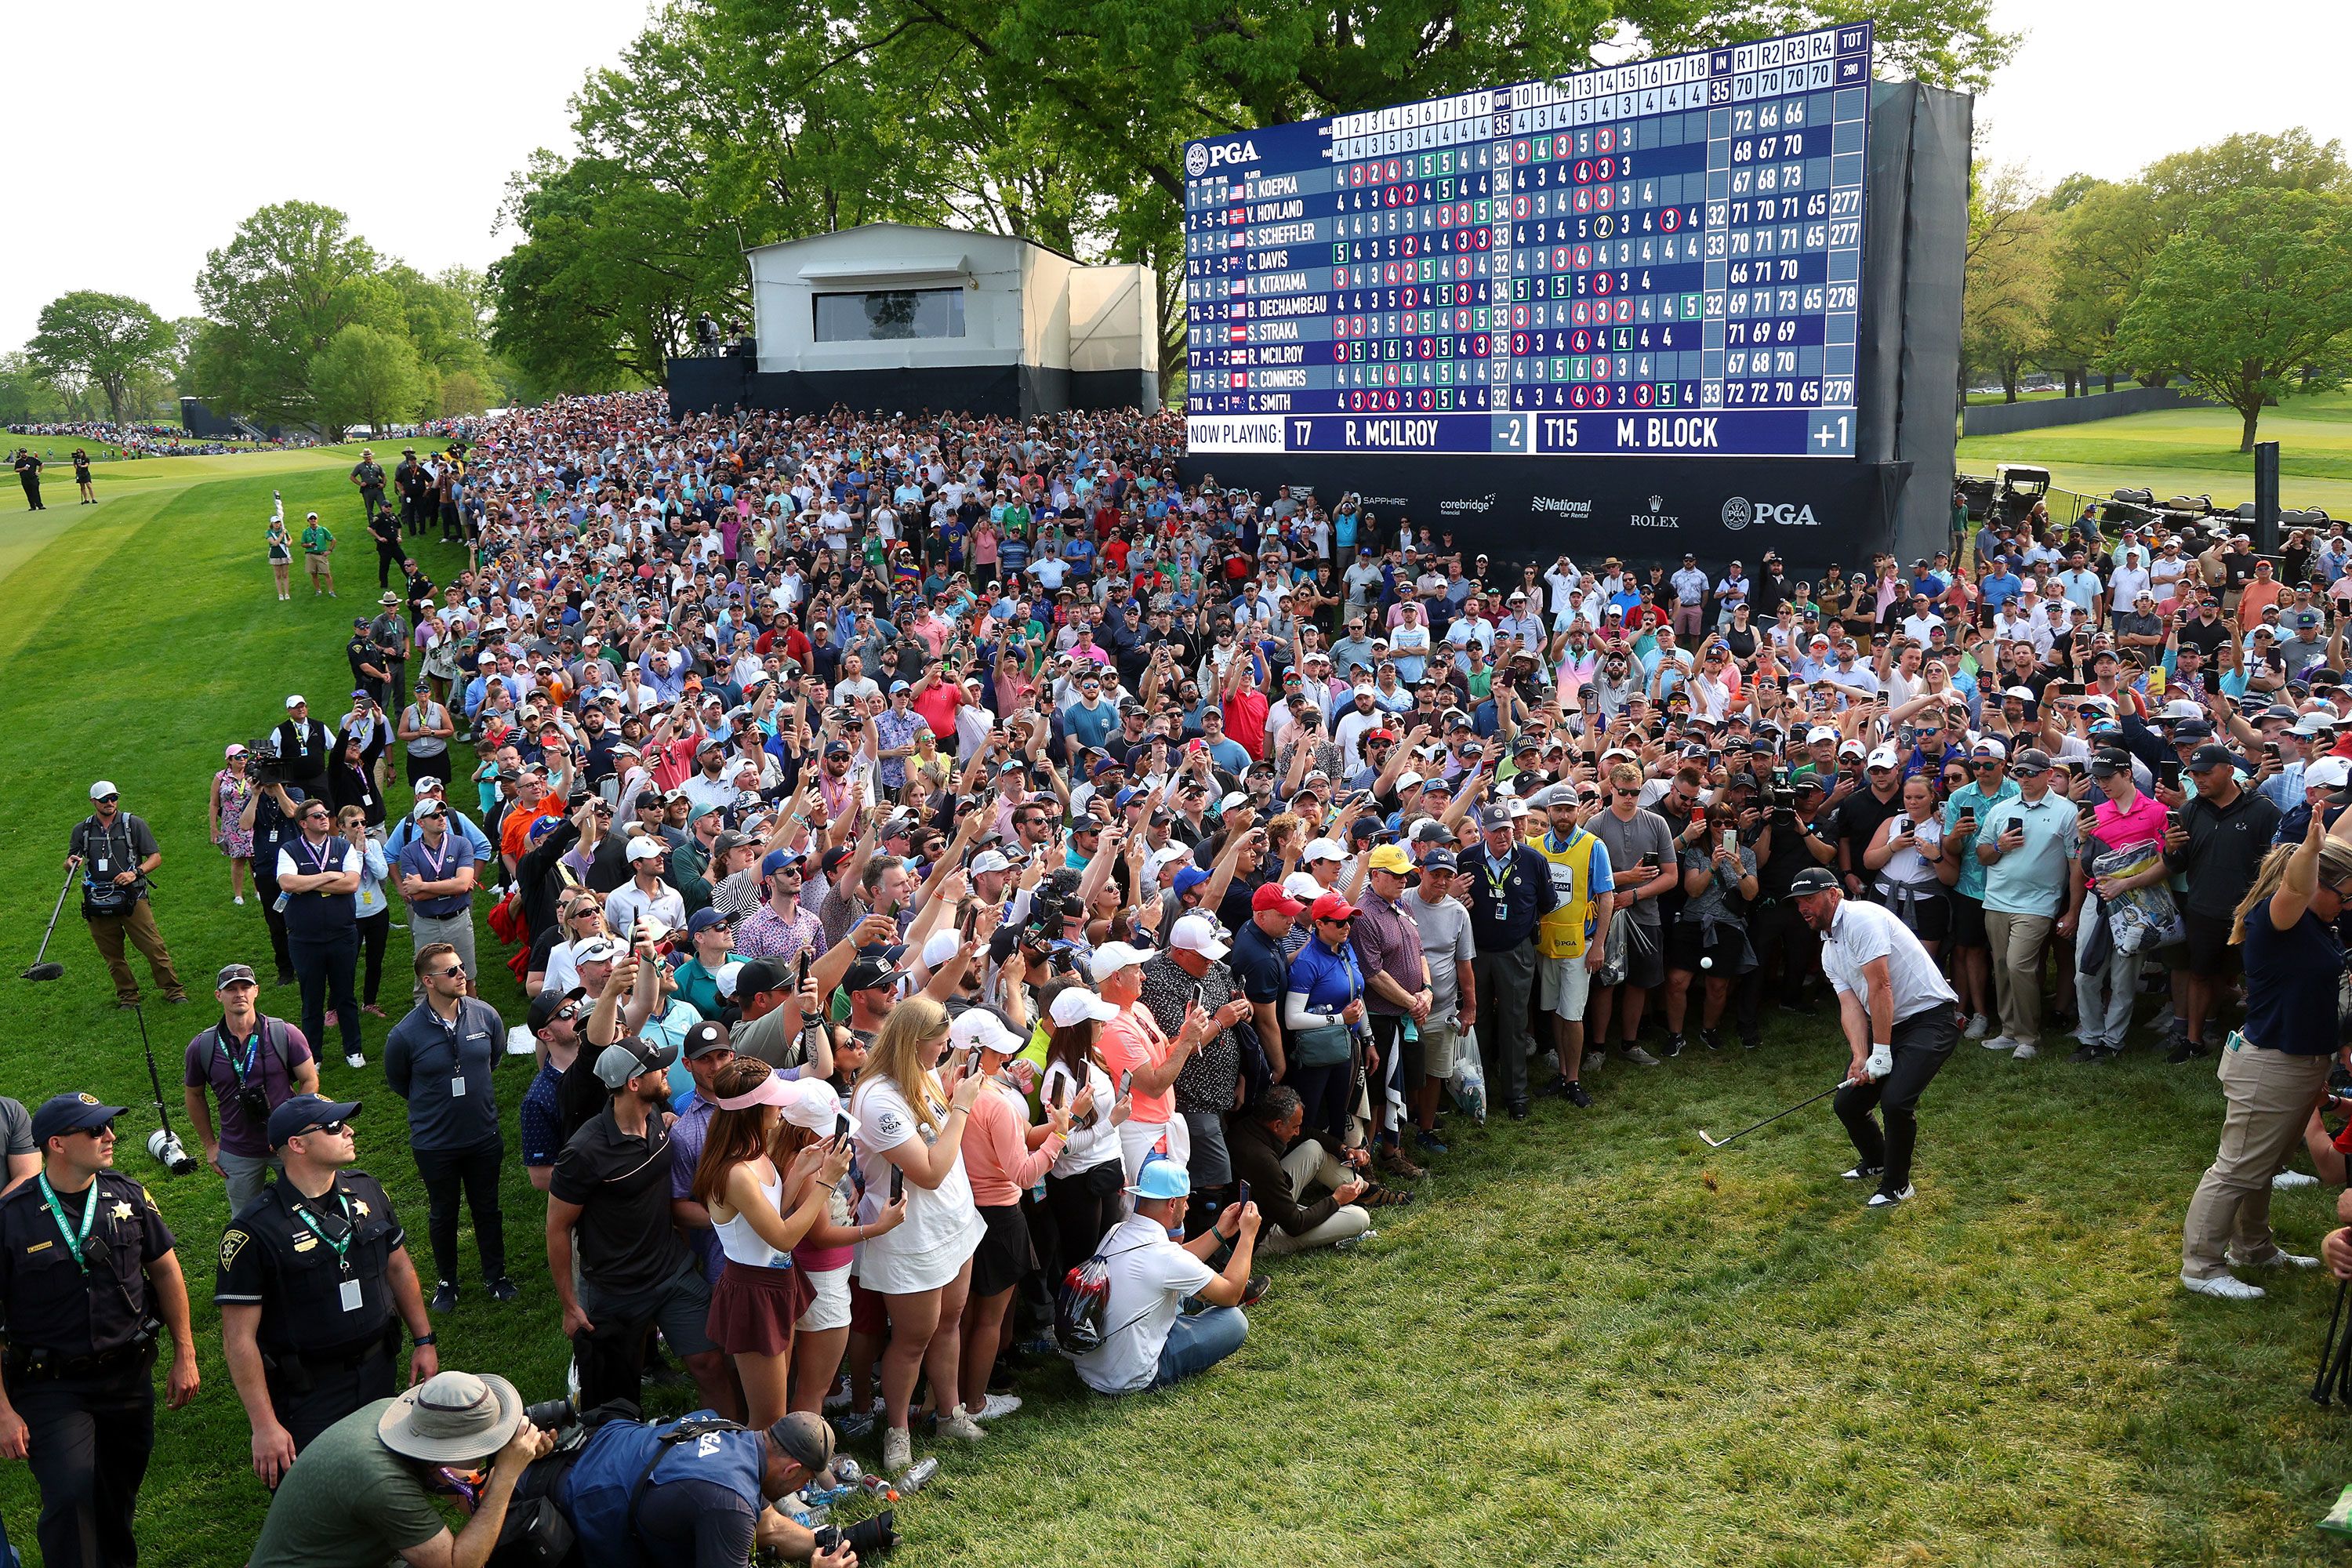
(889, 313)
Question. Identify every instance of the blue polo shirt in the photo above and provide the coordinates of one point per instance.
(2031, 879)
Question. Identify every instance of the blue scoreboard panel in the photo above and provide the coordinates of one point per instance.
(1658, 257)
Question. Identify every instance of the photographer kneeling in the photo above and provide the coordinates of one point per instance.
(700, 1490)
(363, 1491)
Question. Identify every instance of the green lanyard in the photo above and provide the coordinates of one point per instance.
(57, 1213)
(302, 1212)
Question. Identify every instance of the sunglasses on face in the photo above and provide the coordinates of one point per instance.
(333, 1129)
(456, 968)
(103, 1130)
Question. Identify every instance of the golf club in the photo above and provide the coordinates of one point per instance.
(1715, 1142)
(162, 1143)
(51, 970)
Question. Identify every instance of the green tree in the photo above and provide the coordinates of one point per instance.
(274, 298)
(2256, 288)
(731, 123)
(2005, 295)
(367, 375)
(462, 393)
(106, 341)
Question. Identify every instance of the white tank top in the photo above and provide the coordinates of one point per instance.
(743, 1244)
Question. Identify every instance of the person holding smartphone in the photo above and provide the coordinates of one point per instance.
(910, 1129)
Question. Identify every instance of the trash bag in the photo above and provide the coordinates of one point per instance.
(1469, 1085)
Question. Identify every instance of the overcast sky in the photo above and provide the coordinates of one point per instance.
(147, 131)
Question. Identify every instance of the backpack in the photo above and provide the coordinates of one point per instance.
(602, 1491)
(1080, 1305)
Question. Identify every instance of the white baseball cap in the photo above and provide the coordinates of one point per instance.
(646, 847)
(1198, 933)
(1113, 956)
(2328, 773)
(1884, 757)
(296, 700)
(103, 788)
(1300, 885)
(1322, 849)
(1076, 1005)
(980, 1026)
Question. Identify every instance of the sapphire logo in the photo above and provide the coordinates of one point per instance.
(1737, 513)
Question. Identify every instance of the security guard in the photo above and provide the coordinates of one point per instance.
(315, 1283)
(88, 1283)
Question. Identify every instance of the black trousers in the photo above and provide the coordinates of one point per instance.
(333, 1393)
(1083, 1209)
(374, 931)
(1923, 1044)
(325, 966)
(476, 1169)
(277, 924)
(1327, 1091)
(388, 558)
(1788, 959)
(32, 492)
(91, 1437)
(412, 516)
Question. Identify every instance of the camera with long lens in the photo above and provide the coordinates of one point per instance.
(262, 760)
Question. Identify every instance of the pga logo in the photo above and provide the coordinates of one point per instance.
(1203, 156)
(1739, 511)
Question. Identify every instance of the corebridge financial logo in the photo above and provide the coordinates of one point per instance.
(1468, 506)
(1741, 510)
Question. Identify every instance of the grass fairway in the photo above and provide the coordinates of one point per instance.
(2190, 451)
(1575, 1349)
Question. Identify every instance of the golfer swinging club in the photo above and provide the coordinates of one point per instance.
(1900, 1017)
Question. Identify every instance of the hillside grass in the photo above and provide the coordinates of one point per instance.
(2190, 451)
(1594, 1341)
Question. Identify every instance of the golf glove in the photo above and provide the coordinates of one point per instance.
(1881, 1062)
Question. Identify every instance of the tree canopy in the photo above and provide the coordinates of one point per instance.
(105, 340)
(733, 123)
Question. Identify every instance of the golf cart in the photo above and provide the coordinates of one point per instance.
(2010, 496)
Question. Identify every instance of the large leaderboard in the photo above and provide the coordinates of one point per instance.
(1659, 257)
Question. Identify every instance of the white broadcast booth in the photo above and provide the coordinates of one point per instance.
(894, 317)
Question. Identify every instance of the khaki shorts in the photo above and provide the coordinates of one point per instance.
(1441, 1046)
(1562, 985)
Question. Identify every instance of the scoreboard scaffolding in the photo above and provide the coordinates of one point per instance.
(1662, 258)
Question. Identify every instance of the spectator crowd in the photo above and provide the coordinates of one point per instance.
(974, 885)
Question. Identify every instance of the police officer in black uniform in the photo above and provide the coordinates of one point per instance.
(88, 1283)
(409, 482)
(315, 1286)
(367, 474)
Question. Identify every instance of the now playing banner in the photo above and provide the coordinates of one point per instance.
(1537, 509)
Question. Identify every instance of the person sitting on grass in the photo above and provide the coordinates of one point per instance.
(1277, 1161)
(1148, 1340)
